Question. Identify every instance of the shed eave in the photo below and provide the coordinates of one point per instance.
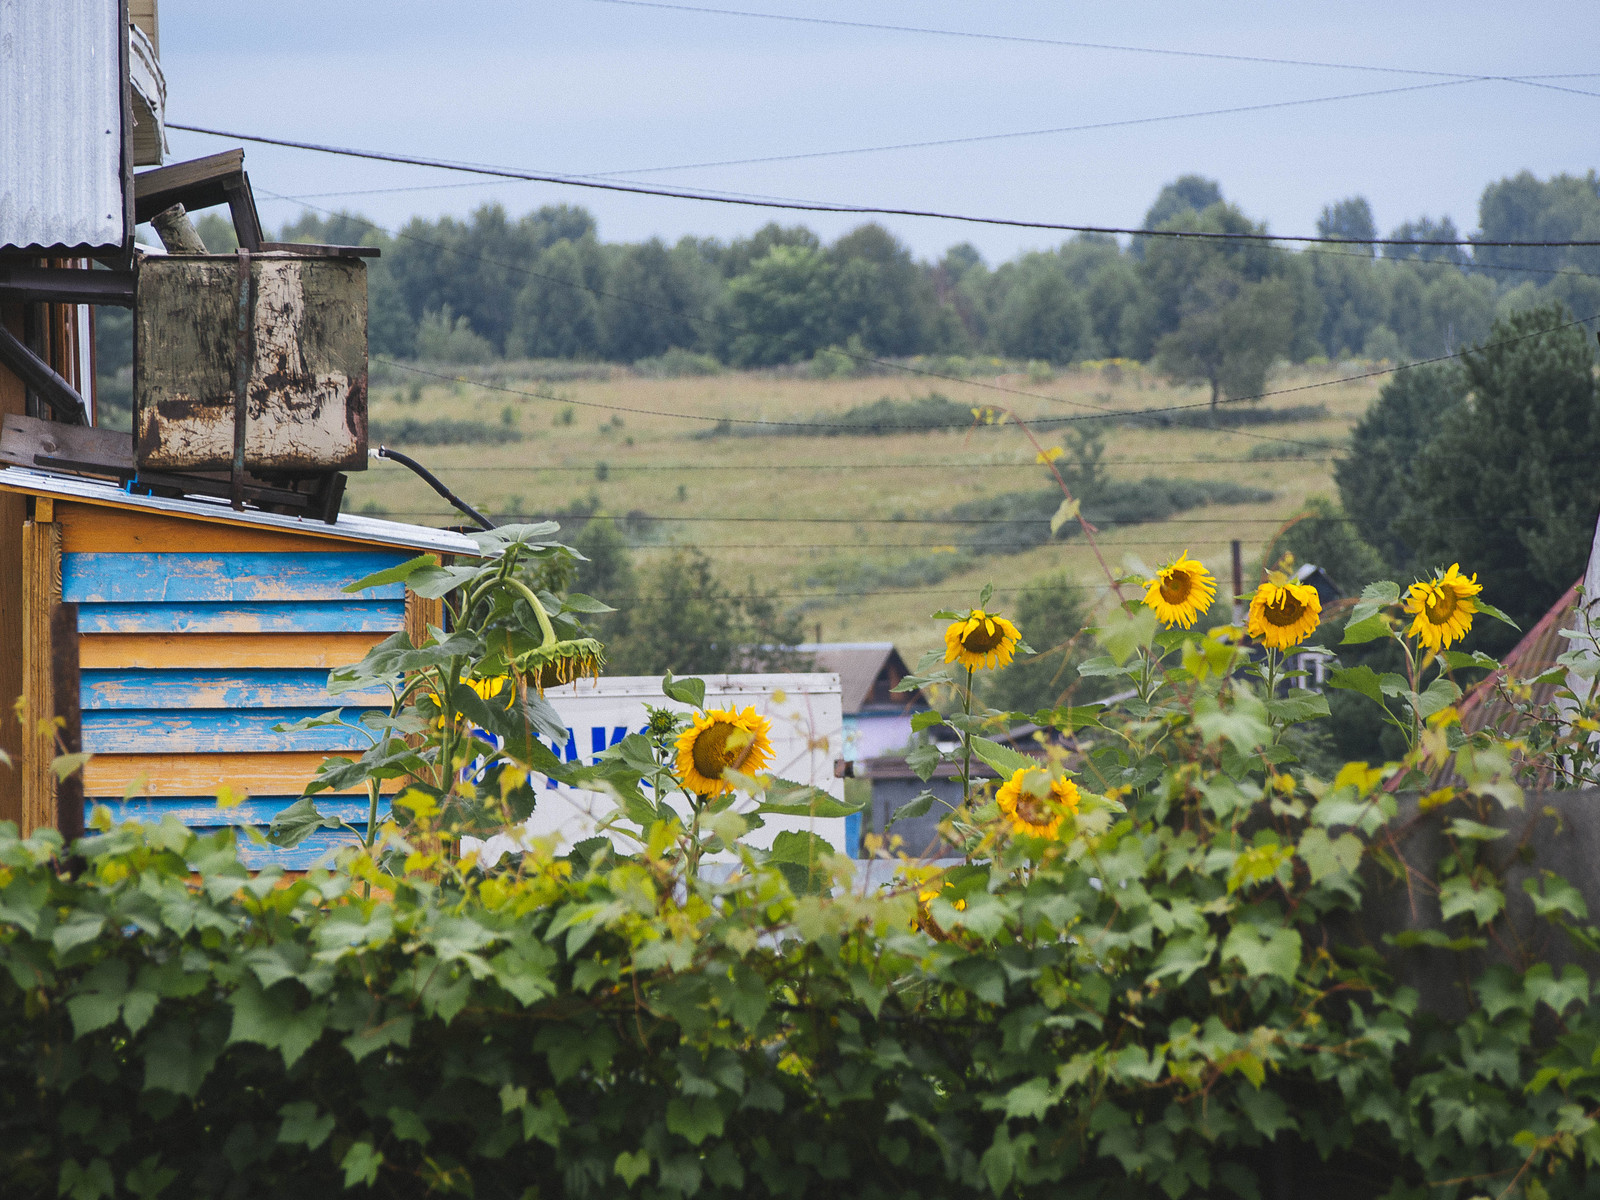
(349, 527)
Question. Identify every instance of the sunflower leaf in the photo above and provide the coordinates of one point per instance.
(945, 614)
(924, 760)
(1439, 694)
(913, 808)
(785, 798)
(983, 596)
(1003, 759)
(1373, 597)
(1456, 659)
(685, 691)
(1066, 512)
(1490, 610)
(926, 720)
(1368, 629)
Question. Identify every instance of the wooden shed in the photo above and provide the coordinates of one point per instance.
(201, 628)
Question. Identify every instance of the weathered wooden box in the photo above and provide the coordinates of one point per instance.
(302, 336)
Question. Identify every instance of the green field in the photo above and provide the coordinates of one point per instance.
(868, 562)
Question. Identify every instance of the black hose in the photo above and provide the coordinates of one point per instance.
(428, 477)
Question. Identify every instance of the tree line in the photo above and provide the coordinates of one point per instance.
(546, 286)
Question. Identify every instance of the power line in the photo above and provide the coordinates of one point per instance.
(1108, 522)
(1074, 45)
(889, 466)
(863, 209)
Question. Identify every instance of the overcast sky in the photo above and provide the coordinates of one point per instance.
(586, 86)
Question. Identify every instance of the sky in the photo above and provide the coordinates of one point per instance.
(580, 87)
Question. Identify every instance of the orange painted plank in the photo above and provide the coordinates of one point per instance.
(201, 774)
(96, 529)
(224, 650)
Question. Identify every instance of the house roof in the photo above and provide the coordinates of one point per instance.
(348, 528)
(859, 666)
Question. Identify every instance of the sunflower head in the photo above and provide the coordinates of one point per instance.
(557, 663)
(1034, 803)
(980, 639)
(1442, 607)
(1284, 613)
(1180, 591)
(720, 739)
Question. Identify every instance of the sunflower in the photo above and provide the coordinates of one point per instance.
(980, 639)
(1035, 803)
(1442, 607)
(1284, 613)
(721, 738)
(556, 663)
(1181, 591)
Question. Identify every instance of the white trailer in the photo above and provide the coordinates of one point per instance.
(807, 738)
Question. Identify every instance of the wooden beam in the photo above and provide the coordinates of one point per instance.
(68, 815)
(201, 774)
(101, 529)
(13, 512)
(41, 593)
(422, 612)
(223, 651)
(51, 445)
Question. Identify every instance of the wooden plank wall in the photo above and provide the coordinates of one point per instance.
(13, 512)
(196, 640)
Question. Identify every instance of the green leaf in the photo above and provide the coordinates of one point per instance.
(360, 1164)
(1031, 1099)
(926, 720)
(303, 1126)
(694, 1119)
(578, 602)
(1490, 610)
(1551, 894)
(1457, 896)
(1440, 694)
(784, 797)
(1300, 704)
(924, 760)
(1374, 596)
(1003, 759)
(1066, 511)
(78, 1182)
(1327, 856)
(686, 691)
(1368, 630)
(913, 808)
(300, 820)
(399, 574)
(1474, 831)
(269, 1017)
(631, 1165)
(799, 856)
(1264, 951)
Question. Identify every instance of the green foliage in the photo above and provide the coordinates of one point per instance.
(1053, 610)
(1322, 533)
(1378, 477)
(1523, 516)
(410, 432)
(444, 337)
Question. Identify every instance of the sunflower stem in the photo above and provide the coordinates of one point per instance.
(966, 744)
(547, 629)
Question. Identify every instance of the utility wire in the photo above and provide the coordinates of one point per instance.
(1074, 45)
(868, 468)
(1108, 522)
(866, 209)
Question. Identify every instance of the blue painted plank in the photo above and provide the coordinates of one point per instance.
(264, 688)
(201, 812)
(311, 616)
(321, 849)
(242, 576)
(202, 731)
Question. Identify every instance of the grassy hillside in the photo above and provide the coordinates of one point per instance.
(879, 482)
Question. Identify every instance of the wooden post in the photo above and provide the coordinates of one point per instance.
(420, 613)
(1239, 605)
(13, 512)
(69, 721)
(41, 592)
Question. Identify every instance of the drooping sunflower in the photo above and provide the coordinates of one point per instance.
(1284, 613)
(721, 738)
(1181, 591)
(1442, 607)
(556, 663)
(980, 639)
(1035, 803)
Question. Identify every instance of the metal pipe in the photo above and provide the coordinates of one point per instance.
(428, 477)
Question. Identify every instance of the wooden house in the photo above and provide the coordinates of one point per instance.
(201, 628)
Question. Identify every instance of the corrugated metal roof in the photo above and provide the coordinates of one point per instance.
(350, 526)
(61, 123)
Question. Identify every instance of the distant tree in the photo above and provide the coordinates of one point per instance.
(390, 329)
(1185, 194)
(554, 223)
(1356, 299)
(958, 260)
(1112, 296)
(1324, 534)
(1348, 218)
(608, 576)
(557, 313)
(781, 309)
(1377, 479)
(444, 337)
(1424, 230)
(684, 620)
(1504, 487)
(1525, 208)
(656, 299)
(741, 253)
(1042, 316)
(1051, 612)
(1230, 333)
(1436, 309)
(880, 294)
(217, 232)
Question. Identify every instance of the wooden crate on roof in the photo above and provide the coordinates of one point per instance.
(200, 630)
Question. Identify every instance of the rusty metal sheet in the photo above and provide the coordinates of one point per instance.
(307, 391)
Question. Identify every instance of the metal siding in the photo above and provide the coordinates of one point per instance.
(61, 124)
